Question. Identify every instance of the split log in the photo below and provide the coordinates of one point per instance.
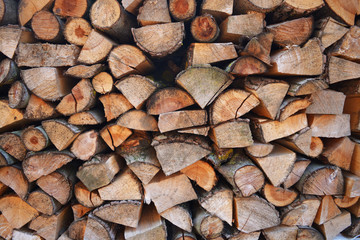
(61, 133)
(87, 144)
(204, 28)
(338, 152)
(301, 212)
(85, 197)
(278, 196)
(138, 120)
(355, 209)
(326, 102)
(8, 12)
(77, 228)
(345, 202)
(43, 202)
(242, 174)
(289, 9)
(6, 159)
(99, 171)
(180, 216)
(247, 65)
(114, 135)
(341, 70)
(345, 11)
(125, 186)
(11, 117)
(254, 213)
(65, 8)
(316, 147)
(203, 53)
(6, 230)
(203, 131)
(281, 64)
(10, 38)
(219, 11)
(349, 41)
(43, 163)
(202, 79)
(293, 32)
(329, 31)
(280, 156)
(299, 142)
(328, 126)
(79, 211)
(305, 233)
(333, 227)
(153, 13)
(262, 88)
(352, 107)
(300, 86)
(83, 71)
(181, 119)
(25, 235)
(182, 10)
(280, 232)
(321, 180)
(18, 95)
(14, 178)
(207, 225)
(292, 105)
(235, 27)
(351, 185)
(167, 192)
(244, 6)
(159, 40)
(103, 83)
(351, 87)
(114, 104)
(167, 100)
(202, 173)
(38, 109)
(98, 229)
(327, 210)
(47, 27)
(127, 59)
(27, 9)
(299, 168)
(11, 143)
(126, 212)
(9, 72)
(259, 149)
(111, 18)
(354, 230)
(91, 117)
(179, 234)
(76, 31)
(173, 150)
(259, 47)
(355, 161)
(53, 84)
(219, 155)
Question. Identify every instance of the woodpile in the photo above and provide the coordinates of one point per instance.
(179, 119)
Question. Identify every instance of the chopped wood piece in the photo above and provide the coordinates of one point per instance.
(168, 100)
(85, 197)
(203, 83)
(355, 161)
(254, 213)
(207, 225)
(290, 9)
(10, 38)
(18, 95)
(349, 41)
(76, 31)
(167, 192)
(114, 104)
(11, 143)
(181, 119)
(46, 82)
(244, 6)
(138, 120)
(125, 186)
(182, 10)
(327, 210)
(281, 232)
(25, 235)
(77, 228)
(127, 59)
(204, 28)
(260, 47)
(351, 87)
(87, 144)
(8, 13)
(47, 26)
(303, 86)
(96, 48)
(242, 174)
(79, 210)
(132, 6)
(341, 70)
(43, 163)
(153, 13)
(301, 212)
(238, 129)
(278, 196)
(98, 229)
(126, 212)
(9, 72)
(110, 17)
(202, 173)
(329, 126)
(180, 234)
(204, 130)
(355, 209)
(91, 117)
(203, 53)
(299, 168)
(268, 130)
(219, 10)
(61, 133)
(5, 160)
(305, 233)
(329, 31)
(10, 206)
(292, 105)
(352, 107)
(180, 216)
(43, 203)
(306, 61)
(14, 178)
(259, 149)
(321, 180)
(27, 9)
(83, 71)
(345, 202)
(316, 147)
(159, 40)
(68, 8)
(150, 226)
(351, 186)
(299, 142)
(103, 83)
(333, 227)
(247, 65)
(114, 135)
(173, 150)
(219, 155)
(238, 26)
(345, 11)
(99, 171)
(38, 109)
(354, 229)
(262, 88)
(338, 152)
(326, 102)
(6, 230)
(11, 117)
(235, 234)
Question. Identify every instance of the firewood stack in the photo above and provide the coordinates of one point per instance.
(179, 119)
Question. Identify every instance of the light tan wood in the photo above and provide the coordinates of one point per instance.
(132, 6)
(83, 71)
(10, 38)
(341, 70)
(99, 229)
(91, 117)
(247, 65)
(77, 228)
(349, 41)
(11, 143)
(338, 152)
(114, 104)
(355, 209)
(345, 11)
(326, 102)
(327, 210)
(85, 197)
(203, 53)
(333, 227)
(79, 210)
(305, 233)
(103, 83)
(181, 119)
(151, 13)
(203, 130)
(47, 27)
(299, 142)
(182, 10)
(12, 117)
(290, 9)
(281, 232)
(6, 159)
(138, 120)
(260, 47)
(114, 135)
(6, 230)
(207, 225)
(202, 173)
(259, 149)
(292, 105)
(87, 144)
(299, 168)
(328, 125)
(38, 109)
(351, 87)
(301, 212)
(351, 107)
(300, 86)
(77, 30)
(351, 185)
(180, 216)
(24, 235)
(65, 8)
(204, 28)
(355, 161)
(43, 202)
(244, 6)
(27, 9)
(14, 178)
(9, 72)
(219, 10)
(278, 196)
(329, 31)
(18, 95)
(345, 202)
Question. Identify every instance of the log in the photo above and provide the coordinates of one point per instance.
(61, 133)
(328, 125)
(254, 213)
(278, 196)
(247, 65)
(181, 119)
(114, 104)
(91, 117)
(103, 82)
(260, 47)
(289, 9)
(179, 234)
(305, 233)
(172, 151)
(355, 161)
(65, 8)
(10, 38)
(8, 13)
(349, 41)
(11, 143)
(351, 185)
(132, 6)
(153, 13)
(76, 31)
(329, 31)
(355, 209)
(182, 10)
(99, 171)
(9, 72)
(168, 191)
(351, 107)
(259, 149)
(18, 95)
(262, 88)
(338, 152)
(235, 27)
(14, 178)
(79, 211)
(38, 109)
(353, 230)
(333, 227)
(292, 105)
(204, 28)
(83, 71)
(301, 212)
(53, 84)
(12, 117)
(203, 53)
(159, 40)
(126, 212)
(114, 135)
(87, 144)
(300, 86)
(280, 232)
(321, 180)
(207, 225)
(138, 120)
(326, 102)
(6, 230)
(346, 12)
(47, 27)
(98, 229)
(299, 168)
(203, 174)
(345, 202)
(242, 174)
(219, 155)
(6, 159)
(77, 228)
(27, 9)
(327, 210)
(299, 142)
(24, 235)
(351, 87)
(219, 11)
(293, 32)
(179, 216)
(203, 130)
(341, 70)
(127, 59)
(87, 198)
(244, 6)
(280, 156)
(43, 202)
(316, 147)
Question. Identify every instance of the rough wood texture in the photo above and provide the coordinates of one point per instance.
(279, 196)
(299, 142)
(203, 53)
(328, 125)
(11, 143)
(202, 173)
(351, 107)
(138, 120)
(349, 41)
(182, 10)
(345, 202)
(355, 161)
(114, 104)
(85, 197)
(345, 11)
(326, 102)
(207, 225)
(260, 47)
(9, 72)
(103, 83)
(38, 109)
(299, 168)
(204, 28)
(181, 119)
(281, 233)
(10, 36)
(180, 216)
(8, 12)
(341, 70)
(259, 149)
(333, 227)
(12, 117)
(99, 229)
(47, 27)
(66, 8)
(114, 135)
(290, 106)
(219, 11)
(301, 212)
(328, 30)
(83, 71)
(15, 179)
(338, 152)
(244, 6)
(247, 65)
(18, 95)
(76, 31)
(87, 144)
(27, 9)
(6, 230)
(153, 13)
(309, 233)
(43, 202)
(327, 210)
(300, 86)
